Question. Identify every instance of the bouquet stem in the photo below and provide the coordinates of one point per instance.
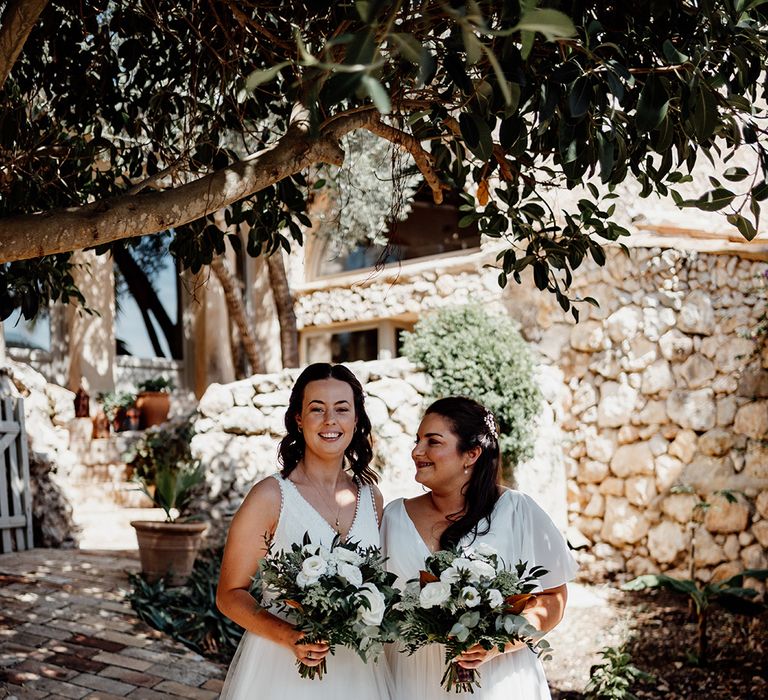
(459, 679)
(312, 672)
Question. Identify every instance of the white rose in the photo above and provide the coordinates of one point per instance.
(348, 556)
(302, 580)
(485, 550)
(374, 613)
(470, 596)
(350, 574)
(450, 575)
(435, 593)
(482, 569)
(462, 563)
(495, 599)
(314, 567)
(310, 548)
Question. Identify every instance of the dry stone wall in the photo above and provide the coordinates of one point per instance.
(664, 394)
(240, 425)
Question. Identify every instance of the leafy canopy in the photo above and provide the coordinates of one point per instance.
(115, 109)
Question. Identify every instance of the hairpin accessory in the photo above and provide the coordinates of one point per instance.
(491, 425)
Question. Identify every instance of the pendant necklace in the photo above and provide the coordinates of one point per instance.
(336, 527)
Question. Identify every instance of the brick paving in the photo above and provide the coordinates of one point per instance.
(66, 631)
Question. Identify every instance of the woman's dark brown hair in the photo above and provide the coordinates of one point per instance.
(360, 450)
(474, 426)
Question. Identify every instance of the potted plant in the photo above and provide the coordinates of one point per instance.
(116, 405)
(154, 400)
(166, 472)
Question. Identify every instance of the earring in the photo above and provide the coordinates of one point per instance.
(466, 469)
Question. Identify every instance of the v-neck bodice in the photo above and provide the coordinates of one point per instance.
(298, 516)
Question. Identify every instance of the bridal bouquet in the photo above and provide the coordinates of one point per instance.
(468, 597)
(340, 595)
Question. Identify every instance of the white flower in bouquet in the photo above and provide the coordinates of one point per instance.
(340, 595)
(435, 593)
(495, 599)
(373, 613)
(350, 574)
(349, 556)
(471, 596)
(468, 597)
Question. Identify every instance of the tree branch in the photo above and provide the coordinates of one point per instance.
(16, 24)
(124, 216)
(411, 144)
(284, 302)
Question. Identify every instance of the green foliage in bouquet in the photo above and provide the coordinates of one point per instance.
(614, 677)
(188, 613)
(156, 384)
(729, 594)
(340, 595)
(468, 352)
(468, 597)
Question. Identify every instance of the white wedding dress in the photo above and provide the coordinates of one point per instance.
(264, 670)
(520, 529)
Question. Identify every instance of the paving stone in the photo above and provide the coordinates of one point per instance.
(126, 675)
(186, 691)
(124, 661)
(67, 647)
(46, 670)
(215, 684)
(77, 663)
(147, 694)
(179, 673)
(129, 640)
(46, 632)
(59, 688)
(23, 692)
(96, 643)
(103, 696)
(88, 680)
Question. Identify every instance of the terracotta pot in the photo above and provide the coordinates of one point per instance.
(154, 407)
(168, 549)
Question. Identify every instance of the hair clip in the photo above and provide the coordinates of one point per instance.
(491, 423)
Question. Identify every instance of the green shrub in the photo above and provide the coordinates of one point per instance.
(468, 352)
(613, 679)
(189, 613)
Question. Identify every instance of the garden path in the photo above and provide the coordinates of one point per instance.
(66, 631)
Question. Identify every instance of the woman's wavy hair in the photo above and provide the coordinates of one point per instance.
(360, 451)
(474, 426)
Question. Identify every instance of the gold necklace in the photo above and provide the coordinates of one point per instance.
(336, 527)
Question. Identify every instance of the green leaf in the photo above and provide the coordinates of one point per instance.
(526, 43)
(477, 135)
(472, 45)
(672, 54)
(579, 97)
(551, 23)
(509, 99)
(409, 46)
(745, 226)
(736, 174)
(652, 105)
(705, 114)
(259, 77)
(377, 93)
(715, 199)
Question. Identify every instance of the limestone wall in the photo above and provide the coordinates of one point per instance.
(663, 390)
(240, 426)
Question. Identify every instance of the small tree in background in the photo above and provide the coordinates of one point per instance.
(469, 352)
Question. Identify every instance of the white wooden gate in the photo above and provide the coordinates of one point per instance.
(15, 496)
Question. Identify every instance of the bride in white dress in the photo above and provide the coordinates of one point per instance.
(326, 425)
(457, 458)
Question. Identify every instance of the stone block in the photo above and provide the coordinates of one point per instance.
(216, 399)
(731, 355)
(640, 490)
(666, 541)
(756, 459)
(641, 354)
(617, 404)
(675, 346)
(760, 531)
(587, 336)
(653, 413)
(753, 557)
(623, 523)
(753, 384)
(697, 371)
(600, 447)
(680, 506)
(591, 471)
(716, 442)
(657, 378)
(624, 324)
(752, 419)
(684, 445)
(708, 472)
(726, 410)
(707, 551)
(696, 314)
(761, 504)
(692, 409)
(635, 458)
(724, 516)
(612, 486)
(668, 470)
(726, 570)
(596, 506)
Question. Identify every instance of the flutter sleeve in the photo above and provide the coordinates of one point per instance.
(543, 544)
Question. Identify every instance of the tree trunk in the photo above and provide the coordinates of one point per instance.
(236, 310)
(17, 22)
(144, 293)
(289, 335)
(702, 637)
